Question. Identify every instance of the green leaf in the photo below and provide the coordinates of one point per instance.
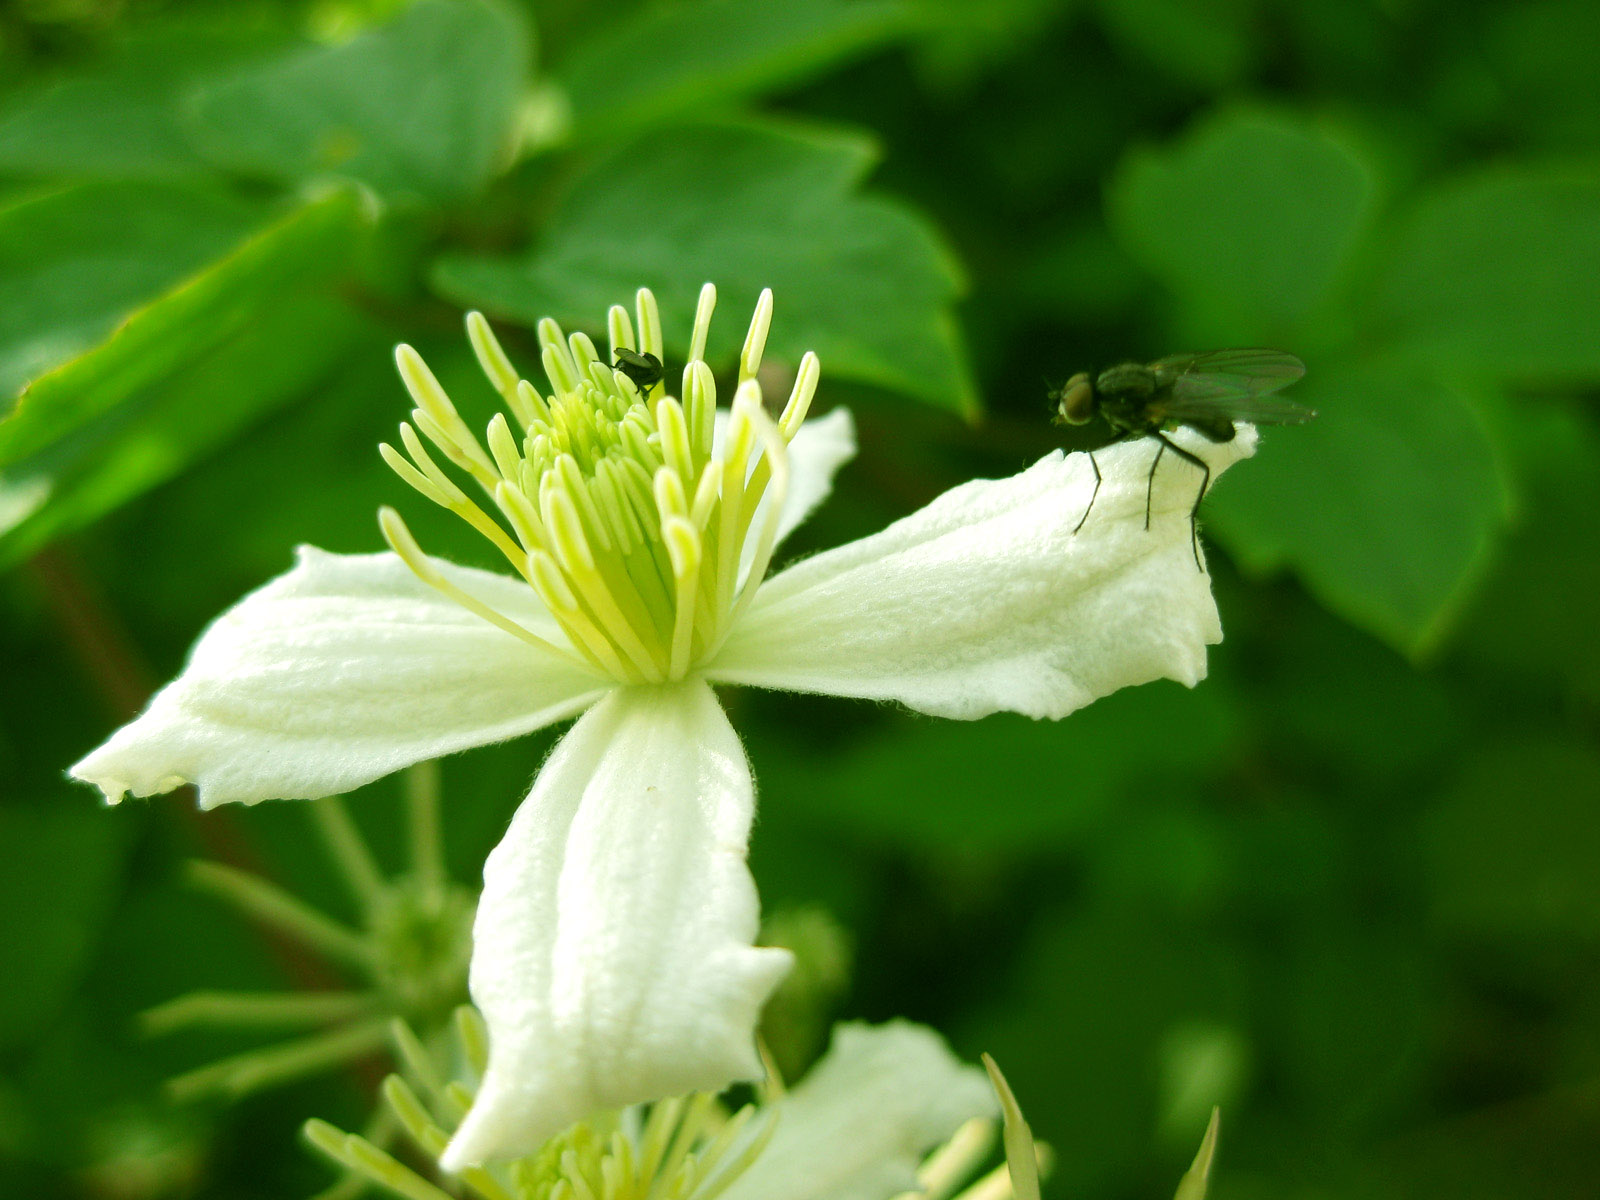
(1500, 273)
(1525, 622)
(1509, 850)
(58, 877)
(1099, 993)
(1201, 43)
(179, 376)
(422, 106)
(122, 116)
(1007, 784)
(1357, 1008)
(861, 280)
(77, 261)
(667, 60)
(1385, 505)
(1250, 218)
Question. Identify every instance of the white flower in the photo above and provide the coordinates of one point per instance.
(613, 958)
(857, 1127)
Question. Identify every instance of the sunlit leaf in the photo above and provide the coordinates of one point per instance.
(664, 60)
(122, 115)
(178, 376)
(76, 261)
(422, 106)
(861, 280)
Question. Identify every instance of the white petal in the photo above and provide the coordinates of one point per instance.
(335, 674)
(860, 1122)
(817, 451)
(611, 955)
(819, 448)
(986, 600)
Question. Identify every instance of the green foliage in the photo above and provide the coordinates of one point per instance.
(1404, 495)
(1389, 503)
(1249, 220)
(862, 281)
(1498, 275)
(1344, 888)
(420, 107)
(1008, 785)
(123, 115)
(666, 61)
(84, 257)
(54, 916)
(132, 412)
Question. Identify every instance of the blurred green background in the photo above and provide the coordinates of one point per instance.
(1348, 888)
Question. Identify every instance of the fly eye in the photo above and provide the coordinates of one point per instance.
(1077, 401)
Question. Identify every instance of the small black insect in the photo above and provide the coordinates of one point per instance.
(1208, 392)
(644, 369)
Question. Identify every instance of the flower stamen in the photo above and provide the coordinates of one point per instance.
(404, 545)
(613, 502)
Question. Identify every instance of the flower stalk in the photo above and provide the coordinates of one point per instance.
(411, 948)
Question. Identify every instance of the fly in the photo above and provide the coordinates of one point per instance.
(644, 369)
(1208, 392)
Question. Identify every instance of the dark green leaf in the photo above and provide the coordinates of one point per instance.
(178, 376)
(78, 261)
(1501, 273)
(123, 116)
(1510, 850)
(666, 60)
(1385, 505)
(1104, 995)
(58, 876)
(1201, 43)
(1007, 784)
(1526, 622)
(1357, 1010)
(861, 280)
(423, 106)
(1250, 219)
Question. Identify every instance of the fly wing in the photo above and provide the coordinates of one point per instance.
(1236, 384)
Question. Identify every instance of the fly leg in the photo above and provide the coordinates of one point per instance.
(1092, 494)
(1097, 477)
(1150, 480)
(1205, 484)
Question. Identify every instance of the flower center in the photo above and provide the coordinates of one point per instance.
(644, 534)
(687, 1147)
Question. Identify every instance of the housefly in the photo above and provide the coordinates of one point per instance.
(644, 369)
(1208, 392)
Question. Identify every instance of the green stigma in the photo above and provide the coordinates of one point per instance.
(642, 536)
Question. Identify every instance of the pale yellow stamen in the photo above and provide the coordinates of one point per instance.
(613, 506)
(404, 545)
(755, 342)
(491, 357)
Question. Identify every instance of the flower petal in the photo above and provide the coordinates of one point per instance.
(611, 955)
(858, 1125)
(335, 674)
(816, 452)
(988, 600)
